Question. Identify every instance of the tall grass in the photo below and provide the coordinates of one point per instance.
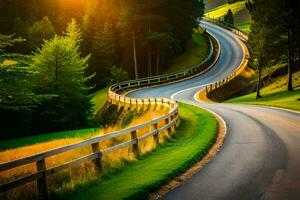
(78, 174)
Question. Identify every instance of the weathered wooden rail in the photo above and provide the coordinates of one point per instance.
(116, 97)
(40, 159)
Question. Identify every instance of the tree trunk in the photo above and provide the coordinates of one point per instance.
(157, 60)
(290, 47)
(149, 64)
(134, 56)
(258, 96)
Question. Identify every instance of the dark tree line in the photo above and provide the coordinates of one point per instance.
(274, 36)
(47, 71)
(112, 29)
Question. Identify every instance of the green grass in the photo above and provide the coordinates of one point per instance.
(99, 99)
(243, 26)
(275, 94)
(197, 51)
(135, 180)
(20, 142)
(222, 10)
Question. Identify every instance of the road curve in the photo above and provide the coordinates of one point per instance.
(260, 156)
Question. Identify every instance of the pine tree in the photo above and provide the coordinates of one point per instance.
(73, 31)
(61, 71)
(228, 18)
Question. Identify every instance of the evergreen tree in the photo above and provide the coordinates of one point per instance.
(267, 34)
(73, 31)
(61, 71)
(228, 18)
(17, 101)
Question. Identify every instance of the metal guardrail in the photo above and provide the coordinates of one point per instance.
(170, 121)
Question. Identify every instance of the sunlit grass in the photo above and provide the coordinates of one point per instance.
(243, 26)
(222, 10)
(68, 178)
(20, 142)
(135, 180)
(275, 94)
(99, 99)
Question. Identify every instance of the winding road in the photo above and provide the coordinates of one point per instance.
(260, 158)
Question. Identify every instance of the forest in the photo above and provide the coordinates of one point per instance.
(54, 53)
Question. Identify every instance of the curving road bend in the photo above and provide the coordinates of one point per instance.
(260, 158)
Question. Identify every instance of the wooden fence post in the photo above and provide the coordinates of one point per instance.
(98, 161)
(135, 147)
(42, 182)
(167, 121)
(155, 136)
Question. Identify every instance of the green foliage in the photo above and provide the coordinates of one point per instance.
(228, 18)
(17, 99)
(73, 31)
(118, 75)
(190, 143)
(103, 56)
(109, 116)
(197, 50)
(130, 115)
(61, 71)
(40, 31)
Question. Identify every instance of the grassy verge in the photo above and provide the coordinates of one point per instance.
(20, 142)
(197, 51)
(99, 99)
(245, 26)
(275, 94)
(191, 142)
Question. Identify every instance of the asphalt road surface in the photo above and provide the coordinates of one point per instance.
(260, 158)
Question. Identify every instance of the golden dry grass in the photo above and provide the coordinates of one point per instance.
(80, 173)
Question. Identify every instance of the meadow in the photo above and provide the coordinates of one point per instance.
(275, 94)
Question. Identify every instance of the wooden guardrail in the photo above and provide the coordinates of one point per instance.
(229, 27)
(115, 96)
(243, 64)
(40, 159)
(165, 78)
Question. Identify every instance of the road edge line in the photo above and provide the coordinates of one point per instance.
(199, 165)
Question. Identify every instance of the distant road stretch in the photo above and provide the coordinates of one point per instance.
(260, 158)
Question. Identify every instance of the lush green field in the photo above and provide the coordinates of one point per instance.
(99, 99)
(222, 10)
(197, 51)
(275, 94)
(191, 142)
(20, 142)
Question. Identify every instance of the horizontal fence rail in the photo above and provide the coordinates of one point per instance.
(244, 36)
(229, 27)
(117, 97)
